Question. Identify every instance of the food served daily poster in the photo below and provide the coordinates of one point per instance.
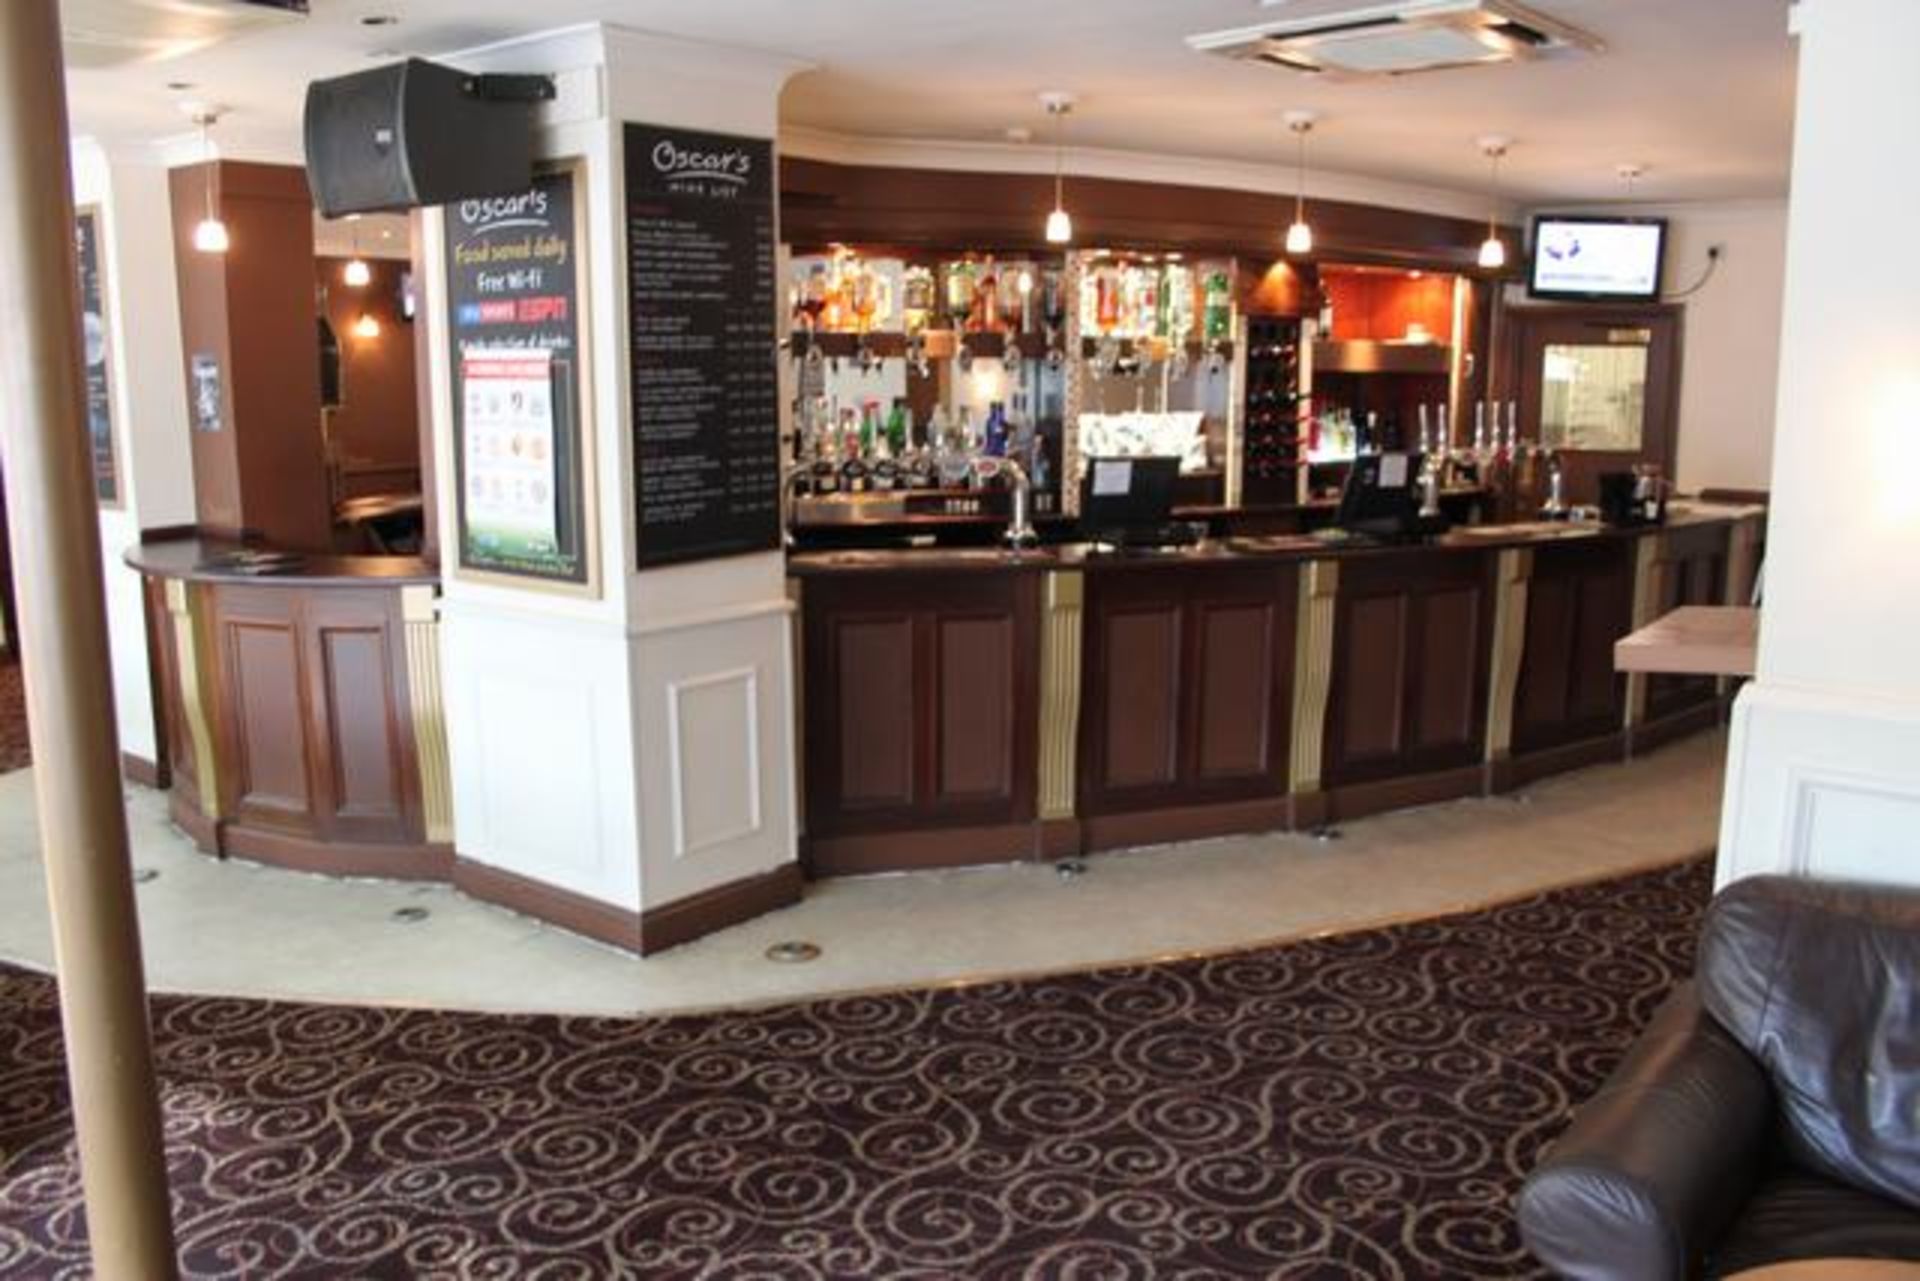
(513, 303)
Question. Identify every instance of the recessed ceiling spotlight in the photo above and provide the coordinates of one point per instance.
(1019, 133)
(379, 20)
(181, 86)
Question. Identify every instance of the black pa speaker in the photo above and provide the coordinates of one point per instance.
(417, 133)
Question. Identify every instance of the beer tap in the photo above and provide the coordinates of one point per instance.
(1555, 508)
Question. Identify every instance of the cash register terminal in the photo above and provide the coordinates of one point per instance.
(1128, 503)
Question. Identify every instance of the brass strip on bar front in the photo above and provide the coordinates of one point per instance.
(1515, 572)
(184, 607)
(1062, 623)
(1649, 568)
(1312, 672)
(419, 609)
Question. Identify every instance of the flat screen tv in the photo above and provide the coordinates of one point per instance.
(1597, 259)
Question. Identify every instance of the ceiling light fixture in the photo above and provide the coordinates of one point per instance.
(1631, 172)
(1300, 235)
(210, 235)
(1059, 224)
(356, 273)
(1493, 251)
(366, 326)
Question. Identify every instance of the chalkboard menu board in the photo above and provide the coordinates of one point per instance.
(513, 304)
(706, 400)
(93, 320)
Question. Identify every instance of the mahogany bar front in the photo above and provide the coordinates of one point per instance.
(975, 705)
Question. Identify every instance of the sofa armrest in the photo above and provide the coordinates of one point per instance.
(1655, 1165)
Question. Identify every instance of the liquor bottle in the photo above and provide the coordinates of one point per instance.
(960, 285)
(917, 299)
(995, 443)
(1040, 474)
(899, 428)
(869, 427)
(1217, 314)
(985, 315)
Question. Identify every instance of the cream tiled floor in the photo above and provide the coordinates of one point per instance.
(238, 928)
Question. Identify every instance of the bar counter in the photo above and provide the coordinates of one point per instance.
(975, 705)
(300, 709)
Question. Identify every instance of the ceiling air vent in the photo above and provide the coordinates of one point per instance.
(1400, 38)
(98, 34)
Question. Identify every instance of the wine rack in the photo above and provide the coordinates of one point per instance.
(1271, 436)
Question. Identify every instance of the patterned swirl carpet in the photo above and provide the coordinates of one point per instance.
(1362, 1106)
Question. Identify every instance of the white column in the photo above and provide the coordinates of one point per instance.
(128, 185)
(635, 748)
(1824, 772)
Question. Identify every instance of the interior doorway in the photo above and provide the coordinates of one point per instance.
(1600, 386)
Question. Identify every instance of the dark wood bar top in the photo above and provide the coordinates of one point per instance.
(1214, 551)
(213, 560)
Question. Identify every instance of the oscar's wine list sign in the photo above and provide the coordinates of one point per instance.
(93, 319)
(705, 384)
(513, 273)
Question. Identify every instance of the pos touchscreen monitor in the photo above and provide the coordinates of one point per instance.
(1127, 500)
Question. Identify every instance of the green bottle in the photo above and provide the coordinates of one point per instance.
(897, 427)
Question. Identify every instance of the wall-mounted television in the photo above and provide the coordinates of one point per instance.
(1592, 259)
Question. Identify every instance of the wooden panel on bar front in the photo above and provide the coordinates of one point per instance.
(1188, 687)
(1579, 601)
(1693, 572)
(1410, 665)
(921, 716)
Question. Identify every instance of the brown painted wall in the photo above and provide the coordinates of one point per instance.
(252, 308)
(376, 428)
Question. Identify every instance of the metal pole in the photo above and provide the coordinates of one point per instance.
(76, 752)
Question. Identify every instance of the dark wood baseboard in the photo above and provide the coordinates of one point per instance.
(1060, 838)
(204, 832)
(646, 933)
(698, 915)
(337, 858)
(1187, 823)
(927, 847)
(1310, 810)
(577, 913)
(1644, 738)
(139, 769)
(1358, 800)
(1527, 767)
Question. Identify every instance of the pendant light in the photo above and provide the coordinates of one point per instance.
(367, 326)
(1493, 251)
(356, 274)
(1300, 235)
(1059, 224)
(210, 234)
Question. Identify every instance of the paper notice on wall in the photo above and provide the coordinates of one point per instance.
(1393, 471)
(509, 469)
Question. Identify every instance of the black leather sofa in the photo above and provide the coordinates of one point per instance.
(1769, 1113)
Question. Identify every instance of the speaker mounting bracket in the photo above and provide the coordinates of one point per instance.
(500, 87)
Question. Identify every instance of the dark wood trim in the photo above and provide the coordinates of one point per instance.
(1641, 739)
(1361, 799)
(1310, 810)
(1527, 767)
(337, 858)
(183, 809)
(548, 903)
(1742, 497)
(170, 533)
(917, 849)
(646, 933)
(712, 910)
(138, 769)
(1060, 838)
(822, 202)
(1187, 823)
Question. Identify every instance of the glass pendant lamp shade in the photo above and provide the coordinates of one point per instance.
(1300, 234)
(1493, 250)
(1493, 253)
(209, 234)
(357, 273)
(1059, 223)
(366, 326)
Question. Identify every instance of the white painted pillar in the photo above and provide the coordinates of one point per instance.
(1824, 771)
(127, 185)
(632, 748)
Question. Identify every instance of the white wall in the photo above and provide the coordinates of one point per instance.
(1731, 340)
(149, 402)
(1824, 767)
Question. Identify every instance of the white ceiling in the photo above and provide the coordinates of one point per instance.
(1699, 91)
